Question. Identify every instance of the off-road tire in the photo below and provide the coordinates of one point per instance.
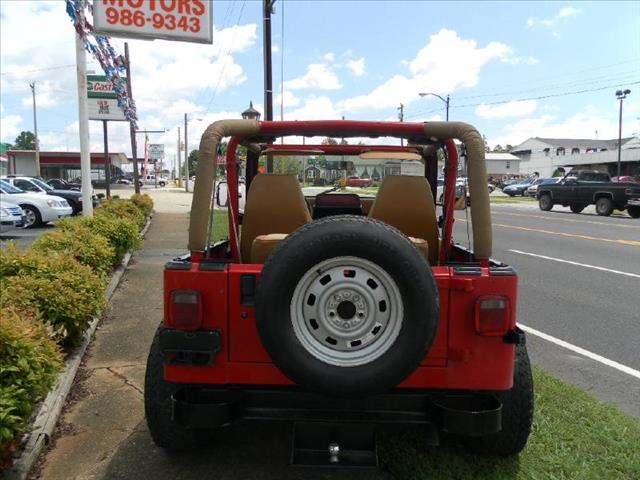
(36, 214)
(634, 212)
(517, 413)
(545, 203)
(604, 206)
(575, 208)
(364, 238)
(157, 406)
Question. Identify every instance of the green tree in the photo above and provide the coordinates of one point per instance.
(286, 165)
(194, 156)
(25, 141)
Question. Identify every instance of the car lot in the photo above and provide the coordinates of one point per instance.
(579, 277)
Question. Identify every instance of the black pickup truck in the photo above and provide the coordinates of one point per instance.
(587, 187)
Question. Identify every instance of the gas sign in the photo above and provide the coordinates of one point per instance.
(183, 20)
(102, 99)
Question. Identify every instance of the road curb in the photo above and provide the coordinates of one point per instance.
(47, 416)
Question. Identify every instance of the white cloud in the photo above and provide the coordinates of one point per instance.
(290, 100)
(445, 64)
(329, 57)
(314, 108)
(318, 76)
(581, 125)
(10, 127)
(356, 66)
(550, 22)
(521, 60)
(510, 109)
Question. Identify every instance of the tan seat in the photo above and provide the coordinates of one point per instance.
(263, 245)
(406, 203)
(422, 246)
(275, 204)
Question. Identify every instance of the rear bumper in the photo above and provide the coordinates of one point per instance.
(464, 413)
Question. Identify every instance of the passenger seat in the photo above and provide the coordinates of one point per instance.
(406, 203)
(275, 207)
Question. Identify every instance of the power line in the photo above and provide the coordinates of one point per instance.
(38, 70)
(541, 97)
(215, 92)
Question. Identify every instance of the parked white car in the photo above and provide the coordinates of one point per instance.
(38, 208)
(11, 216)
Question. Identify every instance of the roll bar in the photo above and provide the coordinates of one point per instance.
(251, 131)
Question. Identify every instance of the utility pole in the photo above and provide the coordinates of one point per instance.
(132, 129)
(186, 156)
(179, 173)
(401, 118)
(107, 160)
(35, 127)
(267, 7)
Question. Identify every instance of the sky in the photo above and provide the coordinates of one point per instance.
(514, 70)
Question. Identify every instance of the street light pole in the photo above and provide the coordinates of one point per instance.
(620, 95)
(445, 100)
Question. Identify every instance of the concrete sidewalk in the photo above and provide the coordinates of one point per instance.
(107, 397)
(103, 433)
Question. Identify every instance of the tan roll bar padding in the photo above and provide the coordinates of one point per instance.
(206, 175)
(477, 174)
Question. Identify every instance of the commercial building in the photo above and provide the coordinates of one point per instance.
(546, 155)
(64, 165)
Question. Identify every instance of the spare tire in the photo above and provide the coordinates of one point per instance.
(346, 306)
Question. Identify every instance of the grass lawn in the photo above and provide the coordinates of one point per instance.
(220, 230)
(512, 200)
(574, 437)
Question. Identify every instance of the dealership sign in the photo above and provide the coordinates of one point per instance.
(156, 151)
(102, 99)
(183, 20)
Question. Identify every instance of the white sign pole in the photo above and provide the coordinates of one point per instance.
(83, 119)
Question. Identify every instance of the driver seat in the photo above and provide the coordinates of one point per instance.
(406, 203)
(275, 205)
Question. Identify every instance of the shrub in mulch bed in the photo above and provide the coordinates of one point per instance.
(29, 363)
(66, 293)
(86, 246)
(121, 233)
(122, 209)
(49, 294)
(143, 202)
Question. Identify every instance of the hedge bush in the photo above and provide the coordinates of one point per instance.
(65, 293)
(122, 209)
(143, 202)
(29, 363)
(86, 246)
(121, 233)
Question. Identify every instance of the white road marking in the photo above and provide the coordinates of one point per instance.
(582, 351)
(561, 260)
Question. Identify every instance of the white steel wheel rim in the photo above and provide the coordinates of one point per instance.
(347, 311)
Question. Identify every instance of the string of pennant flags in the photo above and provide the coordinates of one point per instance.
(99, 46)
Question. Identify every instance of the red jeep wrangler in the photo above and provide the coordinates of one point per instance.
(339, 313)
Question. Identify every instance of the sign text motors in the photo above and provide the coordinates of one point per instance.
(184, 20)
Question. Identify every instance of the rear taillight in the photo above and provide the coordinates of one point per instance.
(493, 316)
(186, 309)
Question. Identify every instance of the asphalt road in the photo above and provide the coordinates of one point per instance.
(596, 309)
(23, 237)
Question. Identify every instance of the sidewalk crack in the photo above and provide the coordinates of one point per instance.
(125, 380)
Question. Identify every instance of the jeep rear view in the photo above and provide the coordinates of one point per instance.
(344, 312)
